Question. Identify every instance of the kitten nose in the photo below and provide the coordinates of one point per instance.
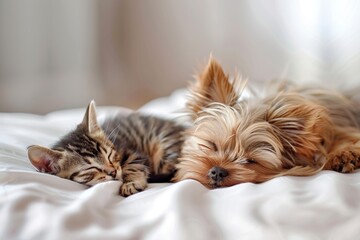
(217, 173)
(112, 173)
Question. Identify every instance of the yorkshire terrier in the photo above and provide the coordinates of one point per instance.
(289, 131)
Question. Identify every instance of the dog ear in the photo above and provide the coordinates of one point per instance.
(302, 126)
(212, 86)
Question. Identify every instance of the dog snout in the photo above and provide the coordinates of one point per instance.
(218, 174)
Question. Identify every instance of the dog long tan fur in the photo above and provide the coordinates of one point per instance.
(290, 131)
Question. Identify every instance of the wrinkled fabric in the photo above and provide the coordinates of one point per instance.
(34, 205)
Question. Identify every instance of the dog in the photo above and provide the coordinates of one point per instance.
(287, 131)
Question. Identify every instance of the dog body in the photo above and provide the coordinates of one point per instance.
(287, 131)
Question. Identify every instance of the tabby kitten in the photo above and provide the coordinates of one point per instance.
(131, 149)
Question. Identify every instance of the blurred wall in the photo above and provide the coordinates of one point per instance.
(60, 54)
(48, 54)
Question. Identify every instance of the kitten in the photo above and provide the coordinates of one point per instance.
(129, 149)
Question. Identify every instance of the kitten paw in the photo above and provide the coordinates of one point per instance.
(130, 188)
(344, 161)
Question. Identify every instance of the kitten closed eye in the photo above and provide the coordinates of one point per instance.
(84, 178)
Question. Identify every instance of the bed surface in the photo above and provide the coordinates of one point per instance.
(40, 206)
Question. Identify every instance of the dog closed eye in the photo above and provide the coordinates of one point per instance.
(250, 160)
(244, 161)
(208, 146)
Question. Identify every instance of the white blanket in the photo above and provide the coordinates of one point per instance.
(40, 206)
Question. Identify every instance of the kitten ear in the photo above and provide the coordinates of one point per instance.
(212, 86)
(90, 121)
(44, 159)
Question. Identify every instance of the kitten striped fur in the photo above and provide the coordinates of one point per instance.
(133, 149)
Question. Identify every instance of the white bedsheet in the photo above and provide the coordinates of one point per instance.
(39, 206)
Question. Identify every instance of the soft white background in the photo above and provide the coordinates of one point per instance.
(60, 54)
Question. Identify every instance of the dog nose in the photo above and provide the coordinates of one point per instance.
(218, 173)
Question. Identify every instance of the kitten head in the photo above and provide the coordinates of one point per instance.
(253, 140)
(85, 155)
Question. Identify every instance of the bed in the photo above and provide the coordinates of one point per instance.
(34, 205)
